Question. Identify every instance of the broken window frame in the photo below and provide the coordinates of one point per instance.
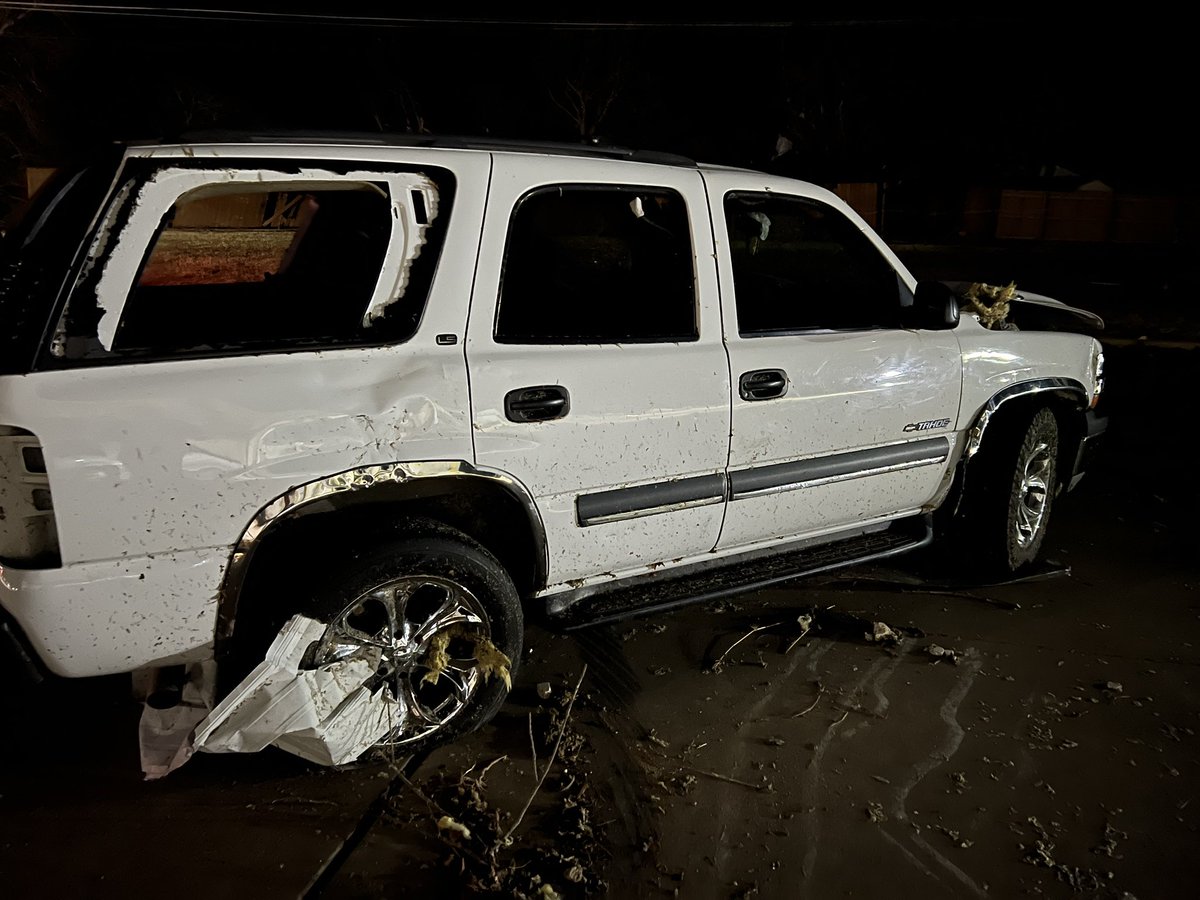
(862, 244)
(500, 336)
(397, 302)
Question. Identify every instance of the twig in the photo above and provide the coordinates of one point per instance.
(716, 667)
(533, 748)
(550, 762)
(812, 706)
(766, 788)
(434, 806)
(483, 772)
(802, 636)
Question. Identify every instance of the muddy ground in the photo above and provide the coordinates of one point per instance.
(1054, 753)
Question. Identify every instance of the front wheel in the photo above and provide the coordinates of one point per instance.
(445, 620)
(1010, 493)
(1032, 492)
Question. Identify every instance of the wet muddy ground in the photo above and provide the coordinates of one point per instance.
(724, 750)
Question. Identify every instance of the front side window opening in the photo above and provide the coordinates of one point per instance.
(597, 265)
(800, 265)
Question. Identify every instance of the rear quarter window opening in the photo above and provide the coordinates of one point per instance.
(280, 264)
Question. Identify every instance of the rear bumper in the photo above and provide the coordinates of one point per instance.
(24, 658)
(117, 615)
(1093, 436)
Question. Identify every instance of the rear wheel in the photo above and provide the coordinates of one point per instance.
(444, 618)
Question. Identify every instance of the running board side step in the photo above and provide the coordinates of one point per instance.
(661, 591)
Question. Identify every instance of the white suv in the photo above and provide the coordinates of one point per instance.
(418, 388)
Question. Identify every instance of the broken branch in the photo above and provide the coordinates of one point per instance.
(802, 636)
(716, 667)
(483, 772)
(811, 706)
(765, 788)
(533, 748)
(504, 841)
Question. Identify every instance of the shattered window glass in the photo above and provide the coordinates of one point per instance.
(595, 265)
(258, 266)
(800, 265)
(202, 261)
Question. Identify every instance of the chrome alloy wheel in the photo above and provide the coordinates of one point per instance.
(1033, 493)
(406, 620)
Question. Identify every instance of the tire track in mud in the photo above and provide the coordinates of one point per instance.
(811, 655)
(937, 758)
(877, 674)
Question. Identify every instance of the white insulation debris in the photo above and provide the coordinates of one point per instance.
(327, 715)
(164, 735)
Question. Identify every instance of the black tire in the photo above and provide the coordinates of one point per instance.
(422, 551)
(1010, 489)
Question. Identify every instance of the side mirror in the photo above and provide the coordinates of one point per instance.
(934, 307)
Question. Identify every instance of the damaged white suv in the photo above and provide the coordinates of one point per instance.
(417, 389)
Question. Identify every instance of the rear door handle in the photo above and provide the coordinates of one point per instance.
(763, 384)
(537, 404)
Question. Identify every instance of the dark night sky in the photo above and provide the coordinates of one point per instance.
(984, 99)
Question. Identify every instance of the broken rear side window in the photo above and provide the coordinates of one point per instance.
(255, 262)
(598, 265)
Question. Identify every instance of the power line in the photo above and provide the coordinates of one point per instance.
(265, 16)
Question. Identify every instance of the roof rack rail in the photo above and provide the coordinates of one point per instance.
(435, 141)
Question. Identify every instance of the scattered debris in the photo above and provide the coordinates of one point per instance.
(939, 653)
(165, 732)
(716, 666)
(489, 658)
(812, 706)
(1041, 853)
(445, 823)
(543, 690)
(653, 738)
(881, 632)
(990, 303)
(1108, 846)
(561, 855)
(550, 763)
(956, 836)
(329, 715)
(805, 621)
(875, 812)
(1110, 688)
(764, 786)
(774, 741)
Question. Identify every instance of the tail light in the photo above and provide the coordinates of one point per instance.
(28, 534)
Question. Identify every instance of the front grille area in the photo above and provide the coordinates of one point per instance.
(28, 535)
